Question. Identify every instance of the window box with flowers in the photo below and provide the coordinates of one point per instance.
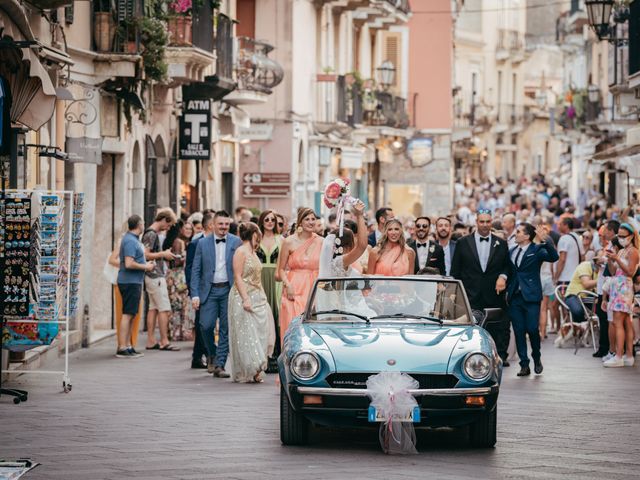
(179, 23)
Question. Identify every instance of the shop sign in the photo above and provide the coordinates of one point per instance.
(84, 150)
(420, 151)
(256, 132)
(195, 130)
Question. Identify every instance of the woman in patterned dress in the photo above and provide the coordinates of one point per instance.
(181, 322)
(625, 264)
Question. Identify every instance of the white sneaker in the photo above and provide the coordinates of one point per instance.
(628, 361)
(614, 362)
(608, 356)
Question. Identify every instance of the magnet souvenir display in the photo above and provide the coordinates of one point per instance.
(76, 240)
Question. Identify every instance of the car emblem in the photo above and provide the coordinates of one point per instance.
(391, 362)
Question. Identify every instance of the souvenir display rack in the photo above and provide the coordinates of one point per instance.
(76, 240)
(34, 318)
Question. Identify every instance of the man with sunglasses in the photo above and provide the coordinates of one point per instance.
(428, 253)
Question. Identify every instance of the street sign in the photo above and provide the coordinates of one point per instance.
(267, 178)
(195, 130)
(250, 191)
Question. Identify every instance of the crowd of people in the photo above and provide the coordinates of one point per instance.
(233, 285)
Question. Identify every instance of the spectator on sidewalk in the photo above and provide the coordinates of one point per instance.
(570, 251)
(155, 282)
(130, 278)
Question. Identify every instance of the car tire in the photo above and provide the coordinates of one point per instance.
(482, 434)
(294, 427)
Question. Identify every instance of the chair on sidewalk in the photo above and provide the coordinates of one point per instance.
(579, 332)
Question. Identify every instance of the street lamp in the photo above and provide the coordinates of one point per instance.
(594, 93)
(386, 74)
(599, 12)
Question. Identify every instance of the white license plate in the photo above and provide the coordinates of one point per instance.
(376, 416)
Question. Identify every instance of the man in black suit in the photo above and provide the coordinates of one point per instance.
(382, 215)
(428, 254)
(524, 293)
(199, 349)
(481, 261)
(443, 237)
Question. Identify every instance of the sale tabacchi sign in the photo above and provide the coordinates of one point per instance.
(195, 130)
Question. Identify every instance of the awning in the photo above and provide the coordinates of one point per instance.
(617, 151)
(32, 93)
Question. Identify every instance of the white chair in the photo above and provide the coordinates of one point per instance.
(569, 329)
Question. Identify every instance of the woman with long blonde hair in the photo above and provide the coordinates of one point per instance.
(391, 257)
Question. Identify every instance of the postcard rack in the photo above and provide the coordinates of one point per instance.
(39, 255)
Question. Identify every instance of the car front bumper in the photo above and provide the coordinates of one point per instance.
(349, 406)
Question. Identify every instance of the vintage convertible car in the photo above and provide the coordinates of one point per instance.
(357, 327)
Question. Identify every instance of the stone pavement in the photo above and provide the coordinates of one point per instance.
(154, 418)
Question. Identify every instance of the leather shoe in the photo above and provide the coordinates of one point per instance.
(599, 354)
(524, 371)
(220, 373)
(537, 367)
(505, 363)
(198, 364)
(210, 366)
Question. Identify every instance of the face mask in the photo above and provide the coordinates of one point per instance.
(623, 241)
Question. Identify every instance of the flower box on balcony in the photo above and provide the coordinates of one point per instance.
(326, 77)
(179, 31)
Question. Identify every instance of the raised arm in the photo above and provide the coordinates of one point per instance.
(361, 239)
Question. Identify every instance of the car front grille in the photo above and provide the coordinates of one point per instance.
(359, 380)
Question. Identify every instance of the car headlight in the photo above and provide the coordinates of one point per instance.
(305, 365)
(477, 366)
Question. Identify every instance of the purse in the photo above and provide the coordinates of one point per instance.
(110, 272)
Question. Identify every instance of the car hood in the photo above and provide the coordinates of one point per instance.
(403, 348)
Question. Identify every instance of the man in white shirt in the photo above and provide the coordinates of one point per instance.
(211, 281)
(443, 237)
(509, 227)
(570, 250)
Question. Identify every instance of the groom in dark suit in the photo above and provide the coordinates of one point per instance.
(211, 281)
(481, 262)
(428, 253)
(524, 292)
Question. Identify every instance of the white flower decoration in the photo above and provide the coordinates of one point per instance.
(432, 249)
(496, 244)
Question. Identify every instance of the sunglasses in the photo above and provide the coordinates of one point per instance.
(270, 220)
(484, 211)
(281, 224)
(422, 226)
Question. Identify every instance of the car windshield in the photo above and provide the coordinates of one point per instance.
(376, 299)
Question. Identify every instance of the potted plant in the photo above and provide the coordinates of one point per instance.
(154, 39)
(104, 25)
(179, 22)
(327, 75)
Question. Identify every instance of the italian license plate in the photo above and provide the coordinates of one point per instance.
(376, 416)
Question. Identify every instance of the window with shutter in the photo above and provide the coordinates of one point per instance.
(392, 53)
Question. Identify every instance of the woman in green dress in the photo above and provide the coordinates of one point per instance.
(268, 252)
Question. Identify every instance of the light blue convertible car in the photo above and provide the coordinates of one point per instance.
(353, 328)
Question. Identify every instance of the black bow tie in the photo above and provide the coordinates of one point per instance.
(223, 240)
(420, 245)
(484, 239)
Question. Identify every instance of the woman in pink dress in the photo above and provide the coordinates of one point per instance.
(391, 257)
(298, 266)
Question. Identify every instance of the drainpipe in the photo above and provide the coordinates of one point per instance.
(60, 133)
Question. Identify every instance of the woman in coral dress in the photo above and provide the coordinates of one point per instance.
(391, 257)
(298, 265)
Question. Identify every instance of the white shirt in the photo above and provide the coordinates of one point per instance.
(220, 275)
(447, 257)
(378, 235)
(511, 241)
(569, 243)
(484, 249)
(423, 253)
(517, 260)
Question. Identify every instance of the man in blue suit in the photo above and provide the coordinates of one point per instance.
(199, 350)
(211, 281)
(524, 292)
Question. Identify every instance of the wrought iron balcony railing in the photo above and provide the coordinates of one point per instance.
(254, 69)
(384, 109)
(349, 101)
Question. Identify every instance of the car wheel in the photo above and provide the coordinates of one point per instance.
(294, 427)
(482, 434)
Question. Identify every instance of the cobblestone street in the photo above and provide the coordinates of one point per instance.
(154, 418)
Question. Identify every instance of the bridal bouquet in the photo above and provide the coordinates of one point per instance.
(337, 190)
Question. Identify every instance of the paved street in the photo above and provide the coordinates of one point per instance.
(153, 418)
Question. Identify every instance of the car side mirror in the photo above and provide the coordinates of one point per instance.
(491, 316)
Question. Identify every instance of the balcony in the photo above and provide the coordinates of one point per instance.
(255, 73)
(510, 46)
(190, 54)
(116, 40)
(510, 115)
(383, 109)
